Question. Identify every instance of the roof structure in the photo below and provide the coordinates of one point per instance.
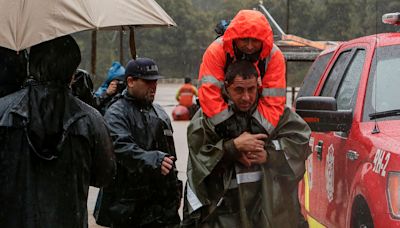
(293, 47)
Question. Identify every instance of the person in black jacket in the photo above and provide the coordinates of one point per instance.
(147, 190)
(52, 145)
(13, 70)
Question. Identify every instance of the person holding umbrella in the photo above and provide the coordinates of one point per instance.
(52, 145)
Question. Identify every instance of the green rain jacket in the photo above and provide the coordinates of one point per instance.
(222, 193)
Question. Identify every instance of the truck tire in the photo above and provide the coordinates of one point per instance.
(361, 215)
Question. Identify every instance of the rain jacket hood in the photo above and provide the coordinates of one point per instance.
(249, 24)
(48, 126)
(51, 64)
(116, 71)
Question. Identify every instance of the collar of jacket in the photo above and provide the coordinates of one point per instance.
(137, 102)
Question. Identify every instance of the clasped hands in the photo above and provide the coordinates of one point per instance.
(251, 148)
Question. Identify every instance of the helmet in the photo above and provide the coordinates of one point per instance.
(180, 112)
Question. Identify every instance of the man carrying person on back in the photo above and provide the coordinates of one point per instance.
(246, 178)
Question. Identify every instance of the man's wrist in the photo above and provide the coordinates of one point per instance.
(230, 150)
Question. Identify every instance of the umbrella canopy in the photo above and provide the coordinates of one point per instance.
(24, 23)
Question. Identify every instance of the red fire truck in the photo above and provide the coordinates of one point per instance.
(349, 99)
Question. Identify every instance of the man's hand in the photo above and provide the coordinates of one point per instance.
(250, 142)
(251, 147)
(257, 157)
(112, 88)
(167, 164)
(244, 160)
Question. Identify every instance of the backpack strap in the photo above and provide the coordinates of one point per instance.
(262, 67)
(263, 63)
(228, 62)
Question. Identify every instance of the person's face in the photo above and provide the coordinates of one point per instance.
(243, 92)
(113, 83)
(144, 90)
(248, 45)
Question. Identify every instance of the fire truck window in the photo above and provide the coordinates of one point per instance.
(314, 74)
(383, 82)
(347, 94)
(334, 74)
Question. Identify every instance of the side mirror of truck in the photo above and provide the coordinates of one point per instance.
(322, 115)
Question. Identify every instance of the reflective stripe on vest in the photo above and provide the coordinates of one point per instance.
(248, 177)
(273, 92)
(186, 94)
(243, 176)
(273, 50)
(221, 117)
(276, 144)
(193, 199)
(264, 122)
(210, 79)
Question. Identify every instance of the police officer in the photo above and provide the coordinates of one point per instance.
(147, 190)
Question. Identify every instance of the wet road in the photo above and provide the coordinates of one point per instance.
(165, 96)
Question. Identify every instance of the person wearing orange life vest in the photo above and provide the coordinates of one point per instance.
(185, 94)
(250, 37)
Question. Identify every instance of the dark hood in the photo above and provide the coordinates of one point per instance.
(13, 70)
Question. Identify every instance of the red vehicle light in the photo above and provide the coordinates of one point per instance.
(311, 119)
(393, 191)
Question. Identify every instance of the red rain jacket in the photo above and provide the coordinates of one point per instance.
(246, 24)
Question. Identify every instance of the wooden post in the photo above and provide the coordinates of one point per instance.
(94, 53)
(287, 15)
(293, 94)
(121, 47)
(132, 44)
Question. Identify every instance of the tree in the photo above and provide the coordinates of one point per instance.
(178, 50)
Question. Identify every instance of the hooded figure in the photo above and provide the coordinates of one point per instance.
(13, 70)
(248, 37)
(116, 71)
(113, 86)
(82, 87)
(52, 145)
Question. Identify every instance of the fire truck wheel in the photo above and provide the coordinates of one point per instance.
(361, 215)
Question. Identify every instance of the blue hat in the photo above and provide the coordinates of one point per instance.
(143, 68)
